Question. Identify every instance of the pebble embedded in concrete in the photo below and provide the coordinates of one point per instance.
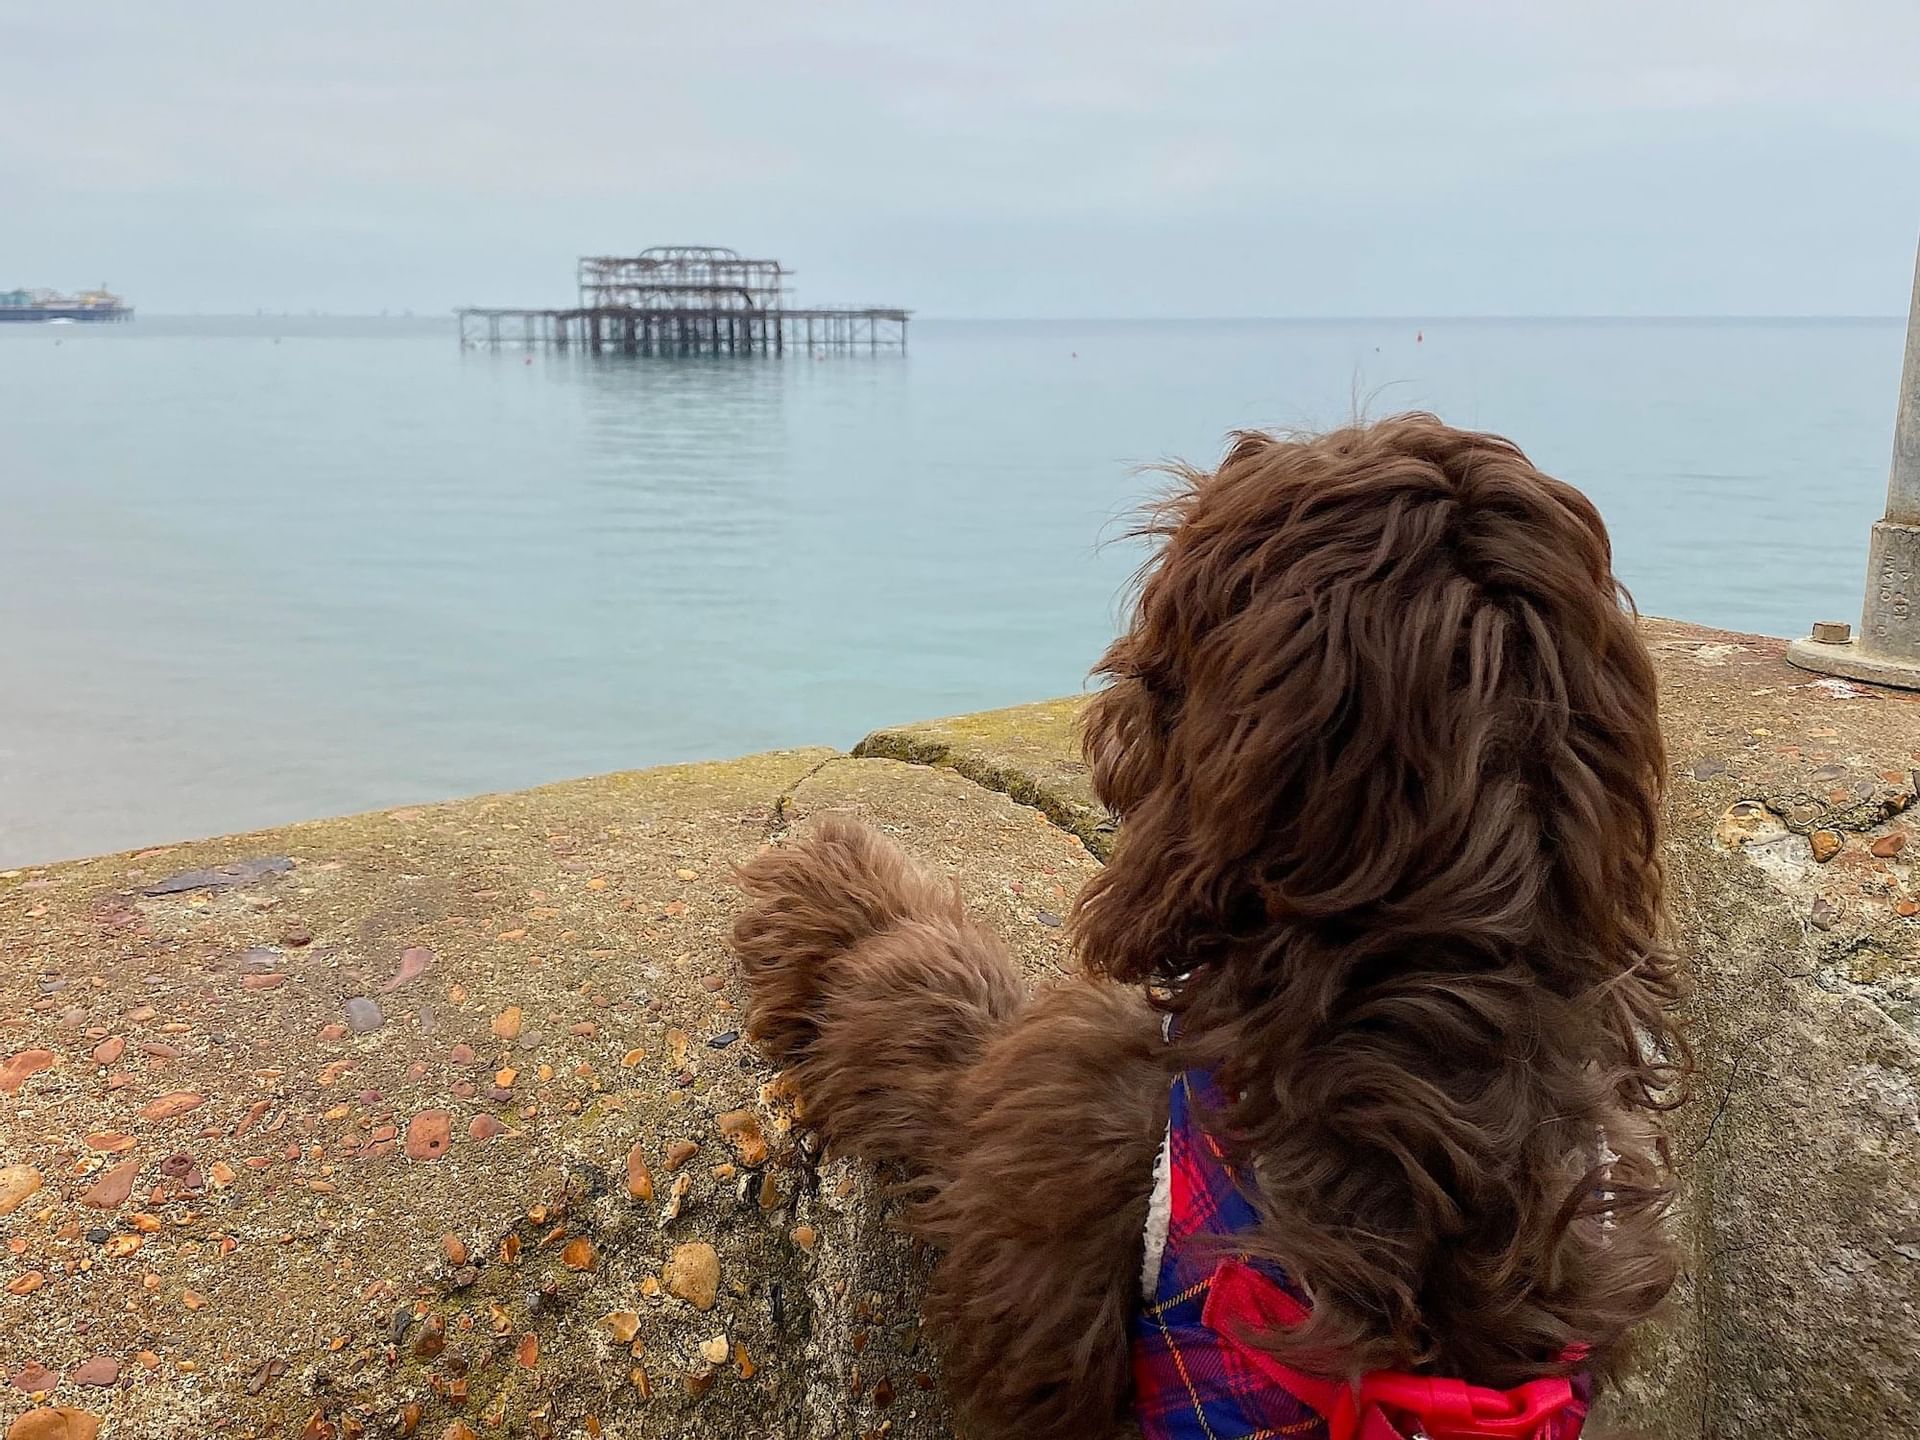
(693, 1274)
(17, 1182)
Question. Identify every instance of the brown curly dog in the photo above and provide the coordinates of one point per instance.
(1384, 744)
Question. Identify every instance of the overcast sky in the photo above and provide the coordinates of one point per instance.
(974, 157)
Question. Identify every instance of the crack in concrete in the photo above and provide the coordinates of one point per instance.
(778, 817)
(1726, 1101)
(1093, 829)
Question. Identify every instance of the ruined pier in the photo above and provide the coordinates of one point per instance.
(685, 300)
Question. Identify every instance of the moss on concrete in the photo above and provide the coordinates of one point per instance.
(1029, 752)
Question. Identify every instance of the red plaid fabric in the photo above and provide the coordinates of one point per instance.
(1197, 1378)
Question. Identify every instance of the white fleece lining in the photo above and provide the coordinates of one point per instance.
(1159, 1218)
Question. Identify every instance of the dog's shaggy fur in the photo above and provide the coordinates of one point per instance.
(1385, 747)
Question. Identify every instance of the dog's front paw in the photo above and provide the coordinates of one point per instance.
(810, 903)
(777, 963)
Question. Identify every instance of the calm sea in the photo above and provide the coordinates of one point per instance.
(255, 571)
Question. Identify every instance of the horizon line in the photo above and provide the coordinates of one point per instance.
(1412, 316)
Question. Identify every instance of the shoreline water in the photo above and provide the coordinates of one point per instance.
(245, 582)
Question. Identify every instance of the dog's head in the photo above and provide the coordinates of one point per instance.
(1379, 679)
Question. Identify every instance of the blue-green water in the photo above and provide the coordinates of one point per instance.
(254, 571)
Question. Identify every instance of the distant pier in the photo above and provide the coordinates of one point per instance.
(685, 300)
(89, 307)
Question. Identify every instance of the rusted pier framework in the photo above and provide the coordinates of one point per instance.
(685, 300)
(620, 331)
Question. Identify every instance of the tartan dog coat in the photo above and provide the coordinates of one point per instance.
(1196, 1378)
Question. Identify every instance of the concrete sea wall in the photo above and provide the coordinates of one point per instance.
(438, 1121)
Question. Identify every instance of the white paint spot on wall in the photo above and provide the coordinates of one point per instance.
(1712, 655)
(1840, 689)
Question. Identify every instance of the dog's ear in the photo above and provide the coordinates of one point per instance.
(1121, 738)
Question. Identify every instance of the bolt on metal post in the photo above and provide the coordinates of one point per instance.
(1887, 650)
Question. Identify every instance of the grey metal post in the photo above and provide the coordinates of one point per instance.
(1888, 649)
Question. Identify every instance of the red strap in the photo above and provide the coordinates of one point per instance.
(1241, 1300)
